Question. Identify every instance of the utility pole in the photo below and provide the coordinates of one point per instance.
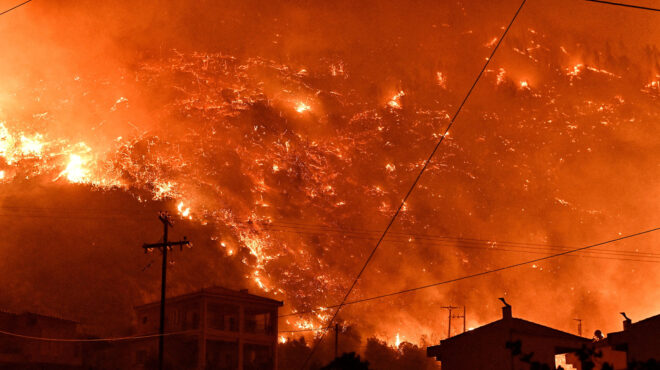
(449, 308)
(461, 316)
(579, 321)
(164, 217)
(336, 340)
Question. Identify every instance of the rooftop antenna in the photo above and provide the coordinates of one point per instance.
(579, 321)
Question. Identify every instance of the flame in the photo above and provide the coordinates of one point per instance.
(183, 211)
(302, 107)
(441, 79)
(397, 342)
(32, 146)
(575, 71)
(75, 170)
(395, 101)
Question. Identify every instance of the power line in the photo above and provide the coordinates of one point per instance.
(624, 5)
(419, 175)
(492, 248)
(17, 6)
(482, 273)
(315, 229)
(82, 340)
(459, 242)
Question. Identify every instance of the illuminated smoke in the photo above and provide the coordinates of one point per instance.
(293, 146)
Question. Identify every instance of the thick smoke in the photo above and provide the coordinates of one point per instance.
(293, 129)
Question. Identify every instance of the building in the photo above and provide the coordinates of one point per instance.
(638, 343)
(505, 344)
(25, 353)
(214, 328)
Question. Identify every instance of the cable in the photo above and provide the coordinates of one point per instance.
(302, 330)
(464, 245)
(414, 184)
(482, 273)
(17, 6)
(315, 229)
(624, 5)
(471, 243)
(113, 339)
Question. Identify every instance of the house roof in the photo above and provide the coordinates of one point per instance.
(519, 326)
(623, 336)
(219, 292)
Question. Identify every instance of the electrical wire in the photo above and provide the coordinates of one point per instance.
(83, 340)
(482, 273)
(624, 5)
(488, 244)
(414, 184)
(17, 6)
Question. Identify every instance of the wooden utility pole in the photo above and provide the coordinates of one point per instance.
(461, 317)
(164, 217)
(449, 308)
(336, 340)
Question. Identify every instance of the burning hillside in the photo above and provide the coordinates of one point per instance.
(285, 152)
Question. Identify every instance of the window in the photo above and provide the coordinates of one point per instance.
(222, 317)
(258, 322)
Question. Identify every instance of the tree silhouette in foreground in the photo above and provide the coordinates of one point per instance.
(347, 361)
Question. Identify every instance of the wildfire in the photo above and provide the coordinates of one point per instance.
(575, 71)
(183, 211)
(32, 146)
(395, 101)
(75, 170)
(231, 165)
(302, 108)
(441, 80)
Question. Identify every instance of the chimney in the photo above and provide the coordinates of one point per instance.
(627, 322)
(506, 310)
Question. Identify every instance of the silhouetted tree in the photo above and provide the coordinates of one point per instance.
(347, 361)
(292, 354)
(407, 356)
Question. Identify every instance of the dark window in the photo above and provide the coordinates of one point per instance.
(259, 322)
(222, 317)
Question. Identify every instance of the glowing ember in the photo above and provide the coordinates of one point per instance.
(395, 101)
(183, 211)
(302, 107)
(441, 79)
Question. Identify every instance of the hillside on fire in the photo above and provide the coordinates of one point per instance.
(383, 166)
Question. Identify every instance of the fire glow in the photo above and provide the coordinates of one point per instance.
(217, 136)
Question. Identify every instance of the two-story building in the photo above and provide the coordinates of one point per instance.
(214, 328)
